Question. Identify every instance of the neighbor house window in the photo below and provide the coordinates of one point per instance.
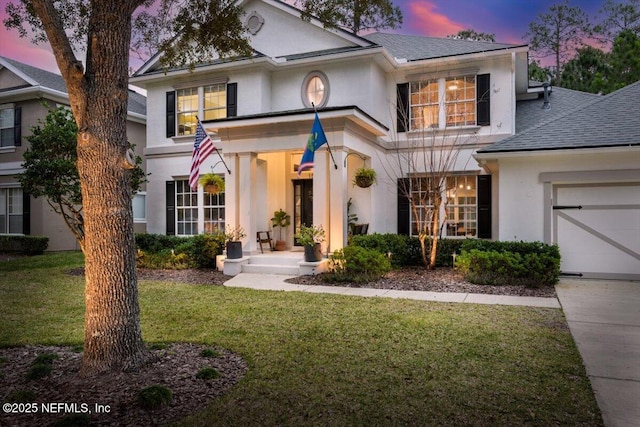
(139, 207)
(443, 102)
(197, 211)
(315, 90)
(11, 211)
(7, 124)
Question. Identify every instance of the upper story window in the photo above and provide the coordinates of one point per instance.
(315, 90)
(208, 102)
(9, 126)
(444, 102)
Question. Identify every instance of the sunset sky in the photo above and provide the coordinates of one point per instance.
(507, 19)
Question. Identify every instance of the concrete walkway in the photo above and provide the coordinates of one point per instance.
(604, 319)
(273, 282)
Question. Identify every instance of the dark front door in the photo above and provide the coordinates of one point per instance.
(302, 204)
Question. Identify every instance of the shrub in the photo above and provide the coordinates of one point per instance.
(208, 352)
(41, 366)
(356, 264)
(154, 397)
(205, 249)
(27, 245)
(208, 374)
(519, 263)
(171, 252)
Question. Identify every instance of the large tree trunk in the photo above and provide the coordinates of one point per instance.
(112, 336)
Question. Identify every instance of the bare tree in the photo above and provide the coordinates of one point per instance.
(422, 163)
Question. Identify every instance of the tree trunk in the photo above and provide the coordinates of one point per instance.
(112, 338)
(435, 228)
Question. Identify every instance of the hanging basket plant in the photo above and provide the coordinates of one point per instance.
(212, 183)
(365, 177)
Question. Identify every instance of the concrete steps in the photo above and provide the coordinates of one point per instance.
(289, 263)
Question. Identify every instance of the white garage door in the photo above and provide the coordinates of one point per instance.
(597, 228)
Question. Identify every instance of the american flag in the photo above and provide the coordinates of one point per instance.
(202, 147)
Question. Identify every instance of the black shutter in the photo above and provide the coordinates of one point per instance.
(404, 207)
(484, 206)
(17, 127)
(171, 208)
(483, 99)
(171, 114)
(26, 213)
(403, 107)
(232, 99)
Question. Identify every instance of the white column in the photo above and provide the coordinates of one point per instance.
(246, 198)
(338, 181)
(321, 193)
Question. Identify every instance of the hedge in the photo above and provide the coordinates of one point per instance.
(27, 245)
(405, 250)
(531, 264)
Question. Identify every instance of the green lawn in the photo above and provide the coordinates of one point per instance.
(335, 360)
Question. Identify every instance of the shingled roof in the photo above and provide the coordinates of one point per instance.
(609, 121)
(415, 48)
(46, 79)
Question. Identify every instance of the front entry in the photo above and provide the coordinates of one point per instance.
(302, 204)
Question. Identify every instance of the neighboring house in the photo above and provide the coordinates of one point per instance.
(574, 180)
(260, 110)
(24, 91)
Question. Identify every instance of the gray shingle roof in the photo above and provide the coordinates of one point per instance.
(414, 48)
(530, 113)
(609, 121)
(137, 102)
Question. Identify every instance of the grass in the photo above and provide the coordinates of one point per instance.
(335, 360)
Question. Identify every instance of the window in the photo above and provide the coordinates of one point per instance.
(315, 90)
(215, 102)
(213, 213)
(187, 111)
(139, 207)
(186, 209)
(11, 211)
(7, 123)
(461, 206)
(443, 102)
(460, 209)
(197, 211)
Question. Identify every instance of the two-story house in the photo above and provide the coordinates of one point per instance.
(26, 94)
(260, 111)
(376, 96)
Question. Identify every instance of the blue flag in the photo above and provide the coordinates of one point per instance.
(315, 141)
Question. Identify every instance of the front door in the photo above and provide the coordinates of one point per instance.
(302, 204)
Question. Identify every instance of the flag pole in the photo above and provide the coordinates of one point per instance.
(219, 155)
(328, 146)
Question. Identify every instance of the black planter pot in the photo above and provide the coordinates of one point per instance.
(313, 253)
(234, 250)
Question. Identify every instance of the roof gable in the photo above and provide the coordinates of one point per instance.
(609, 121)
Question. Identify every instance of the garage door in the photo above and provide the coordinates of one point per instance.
(597, 228)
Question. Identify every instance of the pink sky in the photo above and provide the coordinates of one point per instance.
(507, 19)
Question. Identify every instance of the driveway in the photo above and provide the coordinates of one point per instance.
(604, 319)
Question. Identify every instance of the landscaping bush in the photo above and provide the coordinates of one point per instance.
(154, 397)
(531, 264)
(171, 252)
(27, 245)
(356, 264)
(405, 250)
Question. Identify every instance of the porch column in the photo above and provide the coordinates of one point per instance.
(329, 197)
(246, 198)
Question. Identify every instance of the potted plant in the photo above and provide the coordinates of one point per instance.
(212, 183)
(365, 177)
(280, 219)
(311, 238)
(233, 237)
